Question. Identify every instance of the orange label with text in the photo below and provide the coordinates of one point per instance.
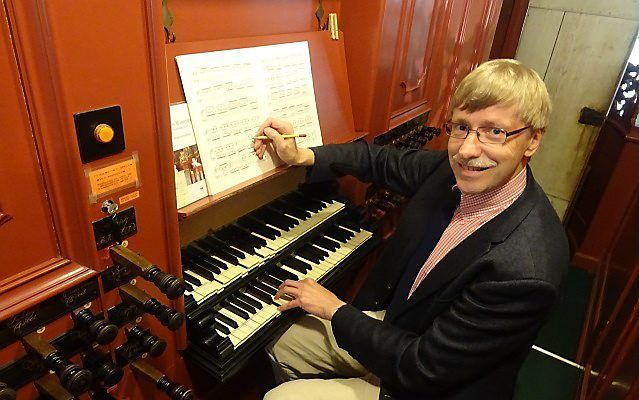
(113, 177)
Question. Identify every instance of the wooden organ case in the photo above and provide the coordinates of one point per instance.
(99, 270)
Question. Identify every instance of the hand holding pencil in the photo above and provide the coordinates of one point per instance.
(275, 134)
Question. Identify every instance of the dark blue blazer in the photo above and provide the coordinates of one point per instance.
(466, 330)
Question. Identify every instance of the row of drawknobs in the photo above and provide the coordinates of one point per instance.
(98, 372)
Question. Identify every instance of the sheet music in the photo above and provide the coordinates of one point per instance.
(231, 92)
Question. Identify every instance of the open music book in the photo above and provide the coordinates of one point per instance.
(231, 92)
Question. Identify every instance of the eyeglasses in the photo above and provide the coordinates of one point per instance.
(490, 135)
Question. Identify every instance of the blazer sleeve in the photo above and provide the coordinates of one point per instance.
(401, 170)
(489, 322)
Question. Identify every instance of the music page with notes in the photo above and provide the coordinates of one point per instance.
(231, 92)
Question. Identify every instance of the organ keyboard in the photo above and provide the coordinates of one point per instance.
(232, 274)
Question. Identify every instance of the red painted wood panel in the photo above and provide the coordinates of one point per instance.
(27, 236)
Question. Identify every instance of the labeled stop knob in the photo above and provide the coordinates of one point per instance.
(73, 378)
(168, 284)
(103, 133)
(149, 343)
(103, 369)
(168, 316)
(102, 331)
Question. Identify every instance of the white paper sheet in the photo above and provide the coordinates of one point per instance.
(190, 182)
(231, 92)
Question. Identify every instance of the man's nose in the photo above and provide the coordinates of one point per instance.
(470, 147)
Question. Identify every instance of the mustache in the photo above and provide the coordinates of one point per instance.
(474, 162)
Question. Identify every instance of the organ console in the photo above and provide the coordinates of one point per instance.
(99, 266)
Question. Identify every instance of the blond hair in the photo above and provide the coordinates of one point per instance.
(505, 82)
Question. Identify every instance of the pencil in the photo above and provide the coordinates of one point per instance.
(296, 135)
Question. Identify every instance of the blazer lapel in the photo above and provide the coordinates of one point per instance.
(476, 245)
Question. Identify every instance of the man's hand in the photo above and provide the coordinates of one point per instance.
(286, 149)
(310, 296)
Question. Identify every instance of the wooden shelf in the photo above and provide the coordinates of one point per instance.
(210, 201)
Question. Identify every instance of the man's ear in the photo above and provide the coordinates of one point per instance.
(534, 143)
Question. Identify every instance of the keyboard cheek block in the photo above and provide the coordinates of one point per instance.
(232, 274)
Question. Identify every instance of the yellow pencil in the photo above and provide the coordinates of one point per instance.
(296, 135)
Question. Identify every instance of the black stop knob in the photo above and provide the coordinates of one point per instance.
(6, 393)
(168, 316)
(102, 367)
(175, 391)
(168, 284)
(109, 374)
(149, 343)
(73, 378)
(103, 331)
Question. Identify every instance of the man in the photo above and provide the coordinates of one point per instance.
(470, 274)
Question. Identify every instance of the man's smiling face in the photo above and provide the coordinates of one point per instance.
(479, 166)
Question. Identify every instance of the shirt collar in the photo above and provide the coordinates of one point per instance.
(499, 197)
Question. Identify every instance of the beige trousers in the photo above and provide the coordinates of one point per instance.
(313, 367)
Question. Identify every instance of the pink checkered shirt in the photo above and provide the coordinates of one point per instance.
(474, 210)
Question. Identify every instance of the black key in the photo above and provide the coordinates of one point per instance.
(291, 209)
(344, 232)
(224, 247)
(205, 265)
(275, 278)
(240, 304)
(274, 218)
(280, 214)
(259, 242)
(203, 272)
(350, 225)
(220, 249)
(259, 227)
(235, 241)
(249, 301)
(301, 264)
(294, 266)
(325, 243)
(317, 250)
(271, 281)
(282, 274)
(336, 236)
(190, 279)
(228, 321)
(309, 255)
(236, 310)
(266, 288)
(188, 287)
(221, 327)
(265, 297)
